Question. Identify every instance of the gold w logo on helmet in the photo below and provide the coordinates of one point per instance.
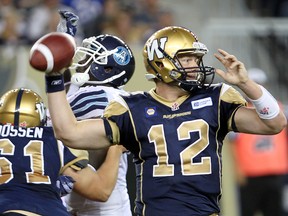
(153, 48)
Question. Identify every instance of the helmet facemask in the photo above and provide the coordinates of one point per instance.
(91, 51)
(191, 78)
(102, 60)
(203, 75)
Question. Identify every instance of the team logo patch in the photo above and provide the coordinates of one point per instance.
(264, 111)
(150, 111)
(23, 124)
(175, 106)
(201, 103)
(122, 56)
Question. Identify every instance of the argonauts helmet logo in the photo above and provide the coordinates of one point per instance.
(122, 55)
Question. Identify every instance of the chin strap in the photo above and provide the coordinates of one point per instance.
(80, 79)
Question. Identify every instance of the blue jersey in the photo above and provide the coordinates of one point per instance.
(177, 147)
(31, 160)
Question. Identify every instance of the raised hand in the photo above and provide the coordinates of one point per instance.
(68, 22)
(236, 73)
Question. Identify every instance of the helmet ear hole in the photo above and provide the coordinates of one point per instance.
(108, 69)
(159, 64)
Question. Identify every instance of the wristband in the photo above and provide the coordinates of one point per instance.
(266, 106)
(54, 83)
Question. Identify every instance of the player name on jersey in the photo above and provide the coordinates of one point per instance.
(10, 130)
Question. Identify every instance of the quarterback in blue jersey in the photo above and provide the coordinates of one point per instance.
(176, 130)
(32, 159)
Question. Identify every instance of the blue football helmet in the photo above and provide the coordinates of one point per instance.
(104, 59)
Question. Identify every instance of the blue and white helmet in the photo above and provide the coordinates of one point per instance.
(104, 59)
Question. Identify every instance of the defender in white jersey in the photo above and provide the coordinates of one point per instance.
(103, 65)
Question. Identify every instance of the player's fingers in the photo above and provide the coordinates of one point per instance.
(68, 14)
(226, 57)
(231, 58)
(234, 65)
(223, 60)
(71, 15)
(220, 58)
(62, 13)
(220, 72)
(222, 52)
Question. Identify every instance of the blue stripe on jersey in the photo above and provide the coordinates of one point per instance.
(89, 101)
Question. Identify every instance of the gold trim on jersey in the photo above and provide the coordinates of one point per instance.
(167, 103)
(72, 164)
(23, 212)
(80, 163)
(230, 95)
(115, 132)
(79, 153)
(116, 107)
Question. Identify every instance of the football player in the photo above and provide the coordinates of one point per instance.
(103, 65)
(176, 130)
(31, 160)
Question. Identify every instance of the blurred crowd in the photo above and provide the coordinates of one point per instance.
(24, 21)
(268, 8)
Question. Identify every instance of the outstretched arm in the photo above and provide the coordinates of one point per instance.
(98, 185)
(86, 134)
(266, 117)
